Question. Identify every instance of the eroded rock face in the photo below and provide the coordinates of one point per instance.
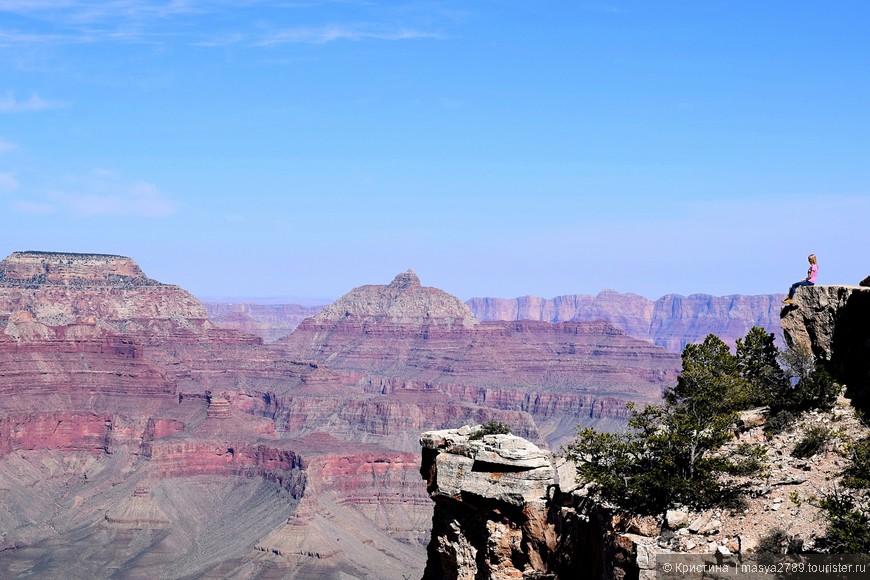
(504, 510)
(670, 322)
(833, 323)
(57, 289)
(23, 269)
(408, 340)
(403, 301)
(133, 413)
(504, 468)
(472, 482)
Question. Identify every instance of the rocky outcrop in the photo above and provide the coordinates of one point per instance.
(186, 458)
(671, 322)
(491, 505)
(504, 510)
(833, 323)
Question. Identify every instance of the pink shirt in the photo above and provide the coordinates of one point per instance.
(811, 273)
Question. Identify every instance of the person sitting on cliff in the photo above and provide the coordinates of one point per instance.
(810, 280)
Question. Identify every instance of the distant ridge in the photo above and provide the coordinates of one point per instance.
(671, 322)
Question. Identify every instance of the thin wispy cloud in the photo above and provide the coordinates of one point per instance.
(7, 146)
(101, 193)
(251, 23)
(138, 199)
(332, 33)
(7, 182)
(33, 208)
(10, 104)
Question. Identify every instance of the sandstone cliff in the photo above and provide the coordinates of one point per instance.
(672, 321)
(502, 513)
(833, 323)
(58, 289)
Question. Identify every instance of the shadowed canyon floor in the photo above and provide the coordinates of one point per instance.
(139, 438)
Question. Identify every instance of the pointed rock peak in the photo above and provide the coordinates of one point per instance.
(408, 279)
(402, 301)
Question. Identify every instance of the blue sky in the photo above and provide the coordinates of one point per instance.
(499, 148)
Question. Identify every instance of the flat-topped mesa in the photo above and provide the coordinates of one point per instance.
(55, 289)
(404, 301)
(33, 268)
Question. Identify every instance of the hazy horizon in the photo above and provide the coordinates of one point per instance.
(313, 301)
(504, 149)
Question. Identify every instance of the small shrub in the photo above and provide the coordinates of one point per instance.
(773, 543)
(814, 440)
(817, 390)
(857, 474)
(848, 524)
(491, 428)
(779, 423)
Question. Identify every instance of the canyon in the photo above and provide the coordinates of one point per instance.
(139, 437)
(671, 321)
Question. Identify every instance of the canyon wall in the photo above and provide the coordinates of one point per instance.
(125, 406)
(671, 322)
(420, 344)
(166, 446)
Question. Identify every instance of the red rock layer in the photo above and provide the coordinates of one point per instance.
(64, 431)
(571, 357)
(188, 458)
(110, 364)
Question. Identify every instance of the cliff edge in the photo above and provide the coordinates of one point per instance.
(833, 323)
(501, 514)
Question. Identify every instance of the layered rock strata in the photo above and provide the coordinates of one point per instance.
(501, 512)
(406, 340)
(521, 517)
(671, 322)
(148, 429)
